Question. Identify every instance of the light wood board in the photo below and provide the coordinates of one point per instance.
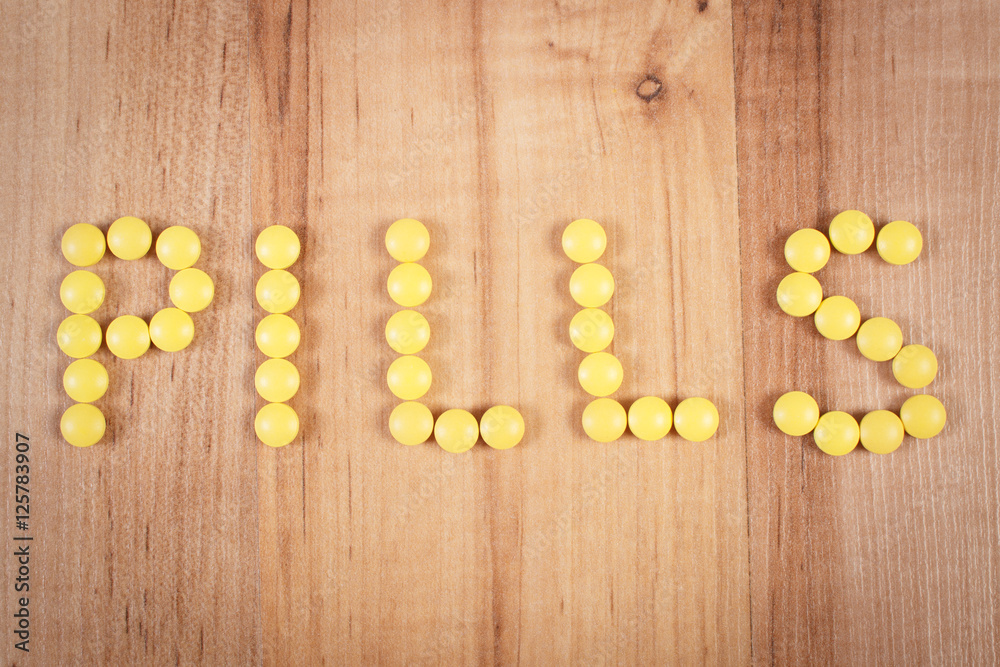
(145, 546)
(699, 135)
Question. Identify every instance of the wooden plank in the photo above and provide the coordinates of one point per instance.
(497, 124)
(145, 545)
(891, 109)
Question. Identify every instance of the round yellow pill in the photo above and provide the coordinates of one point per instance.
(82, 292)
(409, 284)
(852, 232)
(881, 432)
(83, 244)
(837, 318)
(799, 294)
(276, 424)
(407, 332)
(880, 339)
(650, 418)
(171, 329)
(837, 433)
(796, 413)
(407, 240)
(278, 291)
(178, 247)
(456, 431)
(915, 366)
(807, 250)
(409, 377)
(584, 241)
(191, 290)
(696, 419)
(129, 238)
(899, 242)
(277, 336)
(604, 420)
(411, 423)
(923, 416)
(128, 337)
(82, 425)
(591, 330)
(502, 427)
(600, 374)
(277, 247)
(85, 380)
(79, 336)
(276, 380)
(591, 285)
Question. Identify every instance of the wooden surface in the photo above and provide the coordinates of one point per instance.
(700, 136)
(894, 110)
(146, 546)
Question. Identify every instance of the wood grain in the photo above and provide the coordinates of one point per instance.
(145, 545)
(181, 539)
(496, 125)
(891, 109)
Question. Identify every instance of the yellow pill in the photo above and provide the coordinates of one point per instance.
(899, 242)
(407, 240)
(276, 424)
(591, 330)
(277, 247)
(807, 250)
(796, 413)
(923, 416)
(880, 339)
(799, 294)
(82, 292)
(178, 247)
(837, 433)
(128, 337)
(584, 241)
(129, 238)
(502, 427)
(837, 318)
(83, 244)
(191, 290)
(278, 291)
(409, 284)
(600, 374)
(411, 423)
(407, 332)
(276, 380)
(79, 336)
(456, 431)
(915, 366)
(277, 336)
(881, 432)
(650, 418)
(591, 285)
(171, 329)
(604, 420)
(82, 425)
(409, 377)
(696, 419)
(85, 380)
(852, 232)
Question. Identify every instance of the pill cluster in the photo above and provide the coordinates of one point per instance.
(277, 335)
(600, 374)
(880, 431)
(838, 317)
(127, 336)
(409, 376)
(880, 339)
